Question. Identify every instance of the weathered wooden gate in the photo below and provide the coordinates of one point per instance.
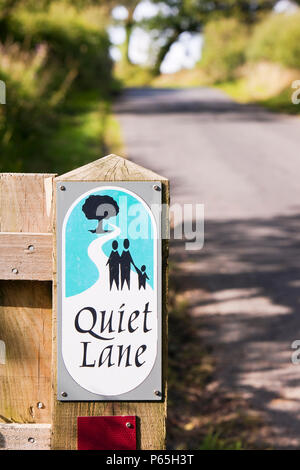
(31, 416)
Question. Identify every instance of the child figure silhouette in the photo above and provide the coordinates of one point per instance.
(142, 276)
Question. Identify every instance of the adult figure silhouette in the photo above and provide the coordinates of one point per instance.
(114, 265)
(125, 262)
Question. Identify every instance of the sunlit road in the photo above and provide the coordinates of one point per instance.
(243, 163)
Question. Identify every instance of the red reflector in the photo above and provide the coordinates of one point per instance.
(106, 432)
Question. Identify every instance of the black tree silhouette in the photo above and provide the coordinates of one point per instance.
(100, 208)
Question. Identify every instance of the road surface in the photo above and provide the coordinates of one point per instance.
(243, 164)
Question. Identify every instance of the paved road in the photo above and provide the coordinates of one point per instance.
(243, 163)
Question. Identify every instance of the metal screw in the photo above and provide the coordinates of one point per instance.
(156, 187)
(62, 188)
(40, 405)
(157, 393)
(129, 425)
(14, 270)
(30, 248)
(31, 439)
(64, 394)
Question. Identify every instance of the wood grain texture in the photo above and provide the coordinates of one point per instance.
(25, 436)
(26, 256)
(111, 168)
(25, 328)
(151, 429)
(25, 202)
(25, 307)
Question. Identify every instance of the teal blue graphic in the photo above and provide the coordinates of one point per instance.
(136, 226)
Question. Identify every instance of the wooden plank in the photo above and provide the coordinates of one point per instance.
(25, 436)
(25, 329)
(25, 307)
(151, 433)
(25, 202)
(26, 256)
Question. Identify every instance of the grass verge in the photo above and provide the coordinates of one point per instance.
(281, 102)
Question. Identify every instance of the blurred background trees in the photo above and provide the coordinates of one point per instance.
(192, 16)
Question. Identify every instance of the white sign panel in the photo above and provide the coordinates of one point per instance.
(109, 326)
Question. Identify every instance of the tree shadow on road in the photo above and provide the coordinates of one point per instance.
(234, 317)
(209, 105)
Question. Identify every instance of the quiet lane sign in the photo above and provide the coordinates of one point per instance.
(109, 291)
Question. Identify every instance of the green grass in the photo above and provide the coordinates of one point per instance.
(237, 89)
(215, 442)
(132, 75)
(281, 103)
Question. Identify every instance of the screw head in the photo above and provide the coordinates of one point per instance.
(156, 187)
(129, 425)
(31, 439)
(30, 248)
(64, 394)
(62, 188)
(40, 405)
(15, 270)
(157, 393)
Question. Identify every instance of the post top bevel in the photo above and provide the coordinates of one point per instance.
(111, 168)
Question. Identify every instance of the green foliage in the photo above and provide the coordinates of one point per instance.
(179, 16)
(54, 63)
(224, 48)
(277, 39)
(83, 133)
(76, 40)
(27, 113)
(273, 55)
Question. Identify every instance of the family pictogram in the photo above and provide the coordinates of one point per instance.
(103, 207)
(120, 267)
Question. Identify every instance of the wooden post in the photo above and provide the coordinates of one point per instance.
(25, 310)
(151, 415)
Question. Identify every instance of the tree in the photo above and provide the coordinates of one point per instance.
(130, 5)
(128, 23)
(100, 208)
